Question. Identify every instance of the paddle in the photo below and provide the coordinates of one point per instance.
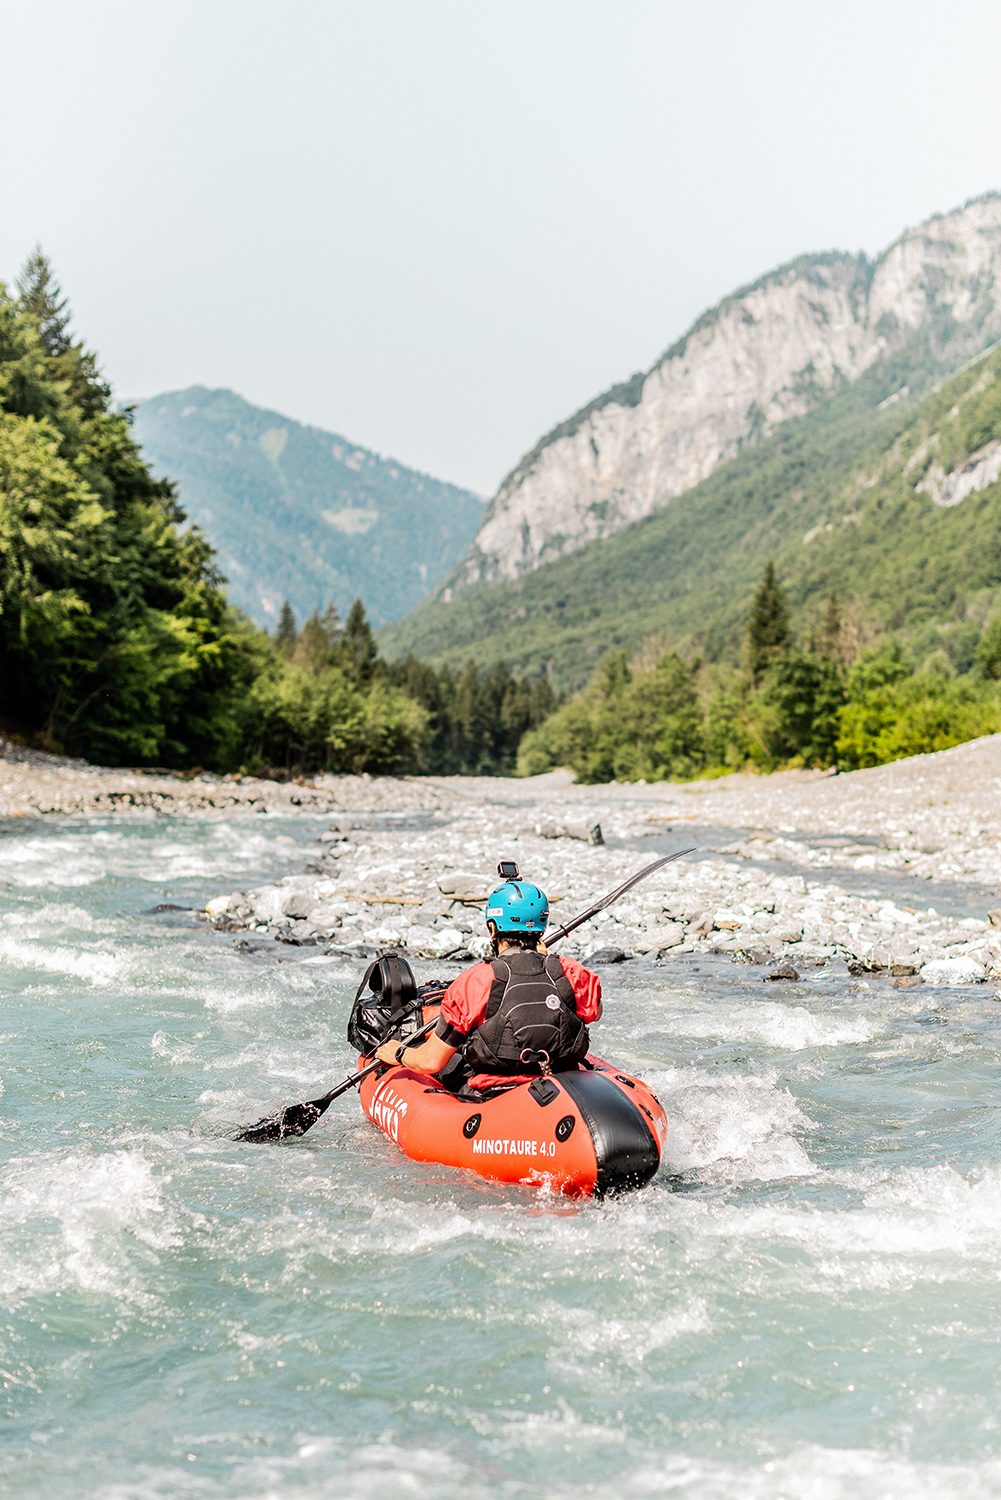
(296, 1119)
(559, 933)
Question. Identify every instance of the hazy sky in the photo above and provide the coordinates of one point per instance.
(438, 226)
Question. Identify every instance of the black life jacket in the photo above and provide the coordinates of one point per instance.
(531, 1014)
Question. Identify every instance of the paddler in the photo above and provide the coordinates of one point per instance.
(519, 1014)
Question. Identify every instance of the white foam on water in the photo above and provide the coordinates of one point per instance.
(790, 1028)
(732, 1127)
(51, 916)
(630, 1341)
(63, 862)
(315, 1467)
(808, 1473)
(96, 967)
(73, 1220)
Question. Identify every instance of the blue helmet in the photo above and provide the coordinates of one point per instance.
(517, 906)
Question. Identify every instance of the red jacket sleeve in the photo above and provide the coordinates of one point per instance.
(464, 1003)
(586, 988)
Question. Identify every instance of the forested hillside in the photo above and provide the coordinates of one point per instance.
(117, 639)
(297, 513)
(837, 498)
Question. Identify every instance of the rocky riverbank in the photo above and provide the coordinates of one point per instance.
(788, 891)
(792, 871)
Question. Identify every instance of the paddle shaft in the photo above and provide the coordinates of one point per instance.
(559, 933)
(356, 1078)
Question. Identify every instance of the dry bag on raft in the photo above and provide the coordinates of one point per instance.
(388, 1002)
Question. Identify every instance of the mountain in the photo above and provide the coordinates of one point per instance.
(894, 504)
(301, 514)
(771, 351)
(561, 569)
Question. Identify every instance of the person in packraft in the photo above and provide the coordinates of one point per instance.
(517, 1015)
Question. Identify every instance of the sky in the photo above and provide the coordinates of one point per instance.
(437, 227)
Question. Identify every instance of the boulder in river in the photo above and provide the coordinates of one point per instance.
(953, 971)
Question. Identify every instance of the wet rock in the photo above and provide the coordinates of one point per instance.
(783, 972)
(953, 971)
(755, 955)
(251, 945)
(605, 956)
(994, 916)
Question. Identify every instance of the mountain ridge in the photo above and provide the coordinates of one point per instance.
(685, 575)
(301, 513)
(775, 347)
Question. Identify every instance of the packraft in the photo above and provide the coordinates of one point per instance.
(589, 1130)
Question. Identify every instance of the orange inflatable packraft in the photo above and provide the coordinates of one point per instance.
(588, 1132)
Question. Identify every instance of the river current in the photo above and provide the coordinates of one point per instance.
(803, 1303)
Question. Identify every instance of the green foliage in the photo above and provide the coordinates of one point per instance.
(768, 626)
(476, 718)
(912, 717)
(322, 721)
(626, 726)
(806, 708)
(988, 653)
(117, 642)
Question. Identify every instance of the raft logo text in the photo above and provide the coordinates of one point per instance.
(486, 1147)
(387, 1109)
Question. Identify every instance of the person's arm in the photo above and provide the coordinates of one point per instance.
(462, 1008)
(586, 988)
(429, 1056)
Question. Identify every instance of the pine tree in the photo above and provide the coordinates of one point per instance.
(41, 296)
(768, 634)
(357, 649)
(311, 651)
(285, 635)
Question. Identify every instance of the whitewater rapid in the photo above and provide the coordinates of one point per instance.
(802, 1304)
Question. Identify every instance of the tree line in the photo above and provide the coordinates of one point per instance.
(117, 640)
(816, 695)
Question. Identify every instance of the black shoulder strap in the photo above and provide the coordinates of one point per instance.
(366, 977)
(502, 978)
(561, 983)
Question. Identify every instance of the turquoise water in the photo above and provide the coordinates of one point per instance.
(803, 1304)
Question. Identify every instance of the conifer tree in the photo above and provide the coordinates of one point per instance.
(768, 634)
(285, 634)
(41, 297)
(311, 651)
(357, 649)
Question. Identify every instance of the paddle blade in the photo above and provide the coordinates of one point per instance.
(294, 1119)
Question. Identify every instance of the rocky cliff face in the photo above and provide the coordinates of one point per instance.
(770, 351)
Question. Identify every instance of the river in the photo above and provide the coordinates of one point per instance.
(803, 1303)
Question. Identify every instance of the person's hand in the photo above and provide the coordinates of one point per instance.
(387, 1052)
(542, 948)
